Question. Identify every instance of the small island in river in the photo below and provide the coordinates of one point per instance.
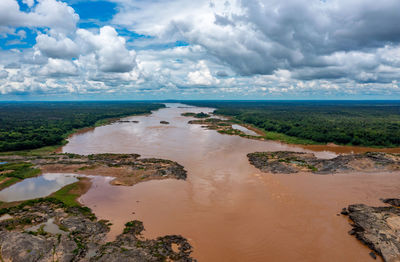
(128, 169)
(286, 162)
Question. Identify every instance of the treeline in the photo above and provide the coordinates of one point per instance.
(361, 123)
(30, 125)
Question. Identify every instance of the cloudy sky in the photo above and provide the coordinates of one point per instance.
(203, 49)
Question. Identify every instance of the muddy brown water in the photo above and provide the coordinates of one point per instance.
(228, 209)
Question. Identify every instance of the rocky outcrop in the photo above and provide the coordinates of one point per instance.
(78, 236)
(128, 169)
(378, 228)
(196, 115)
(392, 201)
(294, 162)
(130, 246)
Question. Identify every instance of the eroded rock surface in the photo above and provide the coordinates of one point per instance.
(378, 228)
(128, 169)
(293, 162)
(79, 237)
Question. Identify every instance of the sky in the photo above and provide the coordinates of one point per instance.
(203, 49)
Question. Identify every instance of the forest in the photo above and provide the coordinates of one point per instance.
(360, 123)
(30, 125)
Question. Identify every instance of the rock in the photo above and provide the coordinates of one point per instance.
(377, 227)
(392, 201)
(164, 122)
(84, 238)
(372, 254)
(344, 212)
(293, 162)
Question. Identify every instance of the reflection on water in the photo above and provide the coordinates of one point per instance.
(2, 163)
(227, 209)
(36, 187)
(48, 226)
(245, 130)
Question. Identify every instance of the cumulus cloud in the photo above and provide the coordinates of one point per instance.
(110, 50)
(251, 48)
(46, 13)
(57, 47)
(202, 76)
(58, 67)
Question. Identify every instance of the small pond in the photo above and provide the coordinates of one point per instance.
(36, 187)
(48, 226)
(2, 163)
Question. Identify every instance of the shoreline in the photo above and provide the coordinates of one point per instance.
(311, 145)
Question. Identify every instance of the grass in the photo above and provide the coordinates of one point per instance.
(288, 139)
(70, 193)
(17, 172)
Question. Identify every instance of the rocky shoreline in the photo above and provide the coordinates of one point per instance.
(128, 169)
(48, 230)
(286, 162)
(377, 227)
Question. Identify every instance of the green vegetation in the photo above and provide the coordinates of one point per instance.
(12, 173)
(198, 115)
(69, 194)
(32, 125)
(360, 123)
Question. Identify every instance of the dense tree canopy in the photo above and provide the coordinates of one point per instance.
(29, 125)
(365, 123)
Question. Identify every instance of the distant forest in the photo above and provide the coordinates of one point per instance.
(360, 123)
(30, 125)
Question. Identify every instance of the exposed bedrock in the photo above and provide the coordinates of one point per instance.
(378, 228)
(47, 230)
(294, 162)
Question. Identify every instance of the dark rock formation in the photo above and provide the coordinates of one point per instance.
(378, 228)
(392, 201)
(293, 162)
(164, 122)
(79, 237)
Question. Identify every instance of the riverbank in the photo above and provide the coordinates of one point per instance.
(50, 124)
(224, 126)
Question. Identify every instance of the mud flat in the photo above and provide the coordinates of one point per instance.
(294, 162)
(47, 230)
(377, 227)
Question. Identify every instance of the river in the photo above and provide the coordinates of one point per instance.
(228, 209)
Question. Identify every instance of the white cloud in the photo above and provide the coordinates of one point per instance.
(252, 47)
(202, 76)
(58, 67)
(57, 47)
(110, 50)
(52, 14)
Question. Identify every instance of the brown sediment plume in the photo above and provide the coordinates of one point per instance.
(227, 208)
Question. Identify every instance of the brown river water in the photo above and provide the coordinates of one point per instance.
(228, 209)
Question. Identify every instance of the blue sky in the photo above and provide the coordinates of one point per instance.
(206, 49)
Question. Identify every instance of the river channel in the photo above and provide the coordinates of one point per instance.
(228, 209)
